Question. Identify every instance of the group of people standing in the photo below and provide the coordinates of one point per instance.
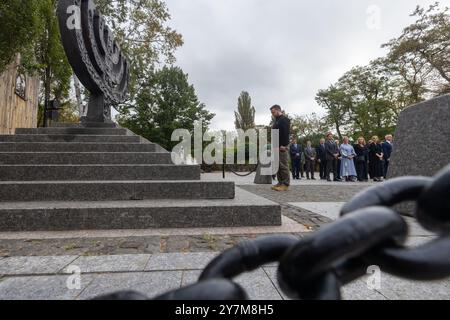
(346, 161)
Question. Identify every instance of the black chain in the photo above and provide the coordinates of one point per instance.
(245, 174)
(369, 232)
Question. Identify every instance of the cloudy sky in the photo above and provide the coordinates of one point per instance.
(280, 51)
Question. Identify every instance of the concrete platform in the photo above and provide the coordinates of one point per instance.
(288, 226)
(86, 178)
(76, 147)
(74, 131)
(246, 210)
(114, 190)
(98, 172)
(15, 158)
(69, 138)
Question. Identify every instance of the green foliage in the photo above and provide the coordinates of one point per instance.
(67, 113)
(19, 25)
(52, 63)
(30, 27)
(309, 127)
(141, 29)
(165, 103)
(367, 100)
(425, 45)
(245, 115)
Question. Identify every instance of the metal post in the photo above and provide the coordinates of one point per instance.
(45, 112)
(224, 135)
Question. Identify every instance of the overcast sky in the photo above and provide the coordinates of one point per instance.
(280, 51)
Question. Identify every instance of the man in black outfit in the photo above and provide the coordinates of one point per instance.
(332, 155)
(283, 124)
(322, 159)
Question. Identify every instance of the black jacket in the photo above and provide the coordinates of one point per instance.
(331, 149)
(321, 153)
(283, 124)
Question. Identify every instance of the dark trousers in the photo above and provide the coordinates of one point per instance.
(323, 169)
(338, 169)
(332, 167)
(310, 168)
(386, 168)
(362, 170)
(296, 164)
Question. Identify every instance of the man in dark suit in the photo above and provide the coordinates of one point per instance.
(322, 159)
(387, 147)
(295, 151)
(332, 154)
(310, 156)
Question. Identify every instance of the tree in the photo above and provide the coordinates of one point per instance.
(51, 61)
(18, 24)
(427, 42)
(336, 103)
(166, 102)
(367, 90)
(309, 127)
(30, 28)
(245, 115)
(140, 28)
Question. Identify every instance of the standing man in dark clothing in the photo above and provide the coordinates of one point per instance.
(310, 156)
(322, 159)
(296, 151)
(283, 124)
(338, 143)
(332, 152)
(387, 147)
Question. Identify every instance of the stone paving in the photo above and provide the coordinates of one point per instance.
(42, 265)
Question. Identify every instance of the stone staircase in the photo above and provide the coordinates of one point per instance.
(88, 178)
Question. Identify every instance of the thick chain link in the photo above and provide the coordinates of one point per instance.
(369, 232)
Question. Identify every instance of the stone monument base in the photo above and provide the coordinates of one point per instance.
(421, 144)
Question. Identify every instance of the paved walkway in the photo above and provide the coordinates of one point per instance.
(57, 278)
(307, 206)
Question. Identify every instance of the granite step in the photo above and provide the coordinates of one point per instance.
(75, 131)
(114, 190)
(98, 172)
(15, 158)
(76, 147)
(83, 125)
(69, 138)
(246, 210)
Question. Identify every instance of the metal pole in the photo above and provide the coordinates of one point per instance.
(45, 112)
(224, 135)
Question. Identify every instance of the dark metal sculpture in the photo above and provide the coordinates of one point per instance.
(94, 56)
(369, 232)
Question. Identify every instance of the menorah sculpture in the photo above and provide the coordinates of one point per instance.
(95, 57)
